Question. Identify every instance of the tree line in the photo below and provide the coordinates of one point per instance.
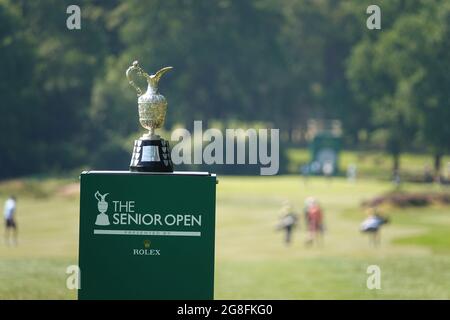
(65, 102)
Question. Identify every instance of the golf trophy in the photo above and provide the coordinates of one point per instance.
(116, 243)
(151, 153)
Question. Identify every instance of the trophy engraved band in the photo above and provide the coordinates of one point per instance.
(151, 153)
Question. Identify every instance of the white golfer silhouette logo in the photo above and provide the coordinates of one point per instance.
(102, 205)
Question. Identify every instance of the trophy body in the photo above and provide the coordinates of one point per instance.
(151, 153)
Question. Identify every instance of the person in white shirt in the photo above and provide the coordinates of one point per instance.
(10, 222)
(372, 225)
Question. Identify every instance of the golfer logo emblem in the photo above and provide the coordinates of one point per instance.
(102, 206)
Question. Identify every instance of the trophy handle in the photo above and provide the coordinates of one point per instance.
(139, 72)
(99, 196)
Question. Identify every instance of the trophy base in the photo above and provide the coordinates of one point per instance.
(151, 156)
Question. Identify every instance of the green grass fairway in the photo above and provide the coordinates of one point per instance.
(251, 261)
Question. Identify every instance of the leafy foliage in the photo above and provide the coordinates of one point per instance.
(65, 101)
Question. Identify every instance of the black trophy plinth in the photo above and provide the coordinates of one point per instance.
(151, 156)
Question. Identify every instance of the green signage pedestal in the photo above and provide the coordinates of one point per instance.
(147, 235)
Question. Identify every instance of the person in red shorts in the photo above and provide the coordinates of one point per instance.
(315, 224)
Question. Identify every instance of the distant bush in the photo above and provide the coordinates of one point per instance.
(403, 200)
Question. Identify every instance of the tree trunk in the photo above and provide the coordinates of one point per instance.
(396, 163)
(437, 167)
(396, 169)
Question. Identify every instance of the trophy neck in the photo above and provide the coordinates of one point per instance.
(150, 135)
(152, 87)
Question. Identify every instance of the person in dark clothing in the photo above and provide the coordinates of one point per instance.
(288, 223)
(10, 221)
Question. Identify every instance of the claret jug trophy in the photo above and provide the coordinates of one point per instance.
(151, 153)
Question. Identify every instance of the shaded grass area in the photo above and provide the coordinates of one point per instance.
(335, 278)
(37, 278)
(369, 163)
(437, 238)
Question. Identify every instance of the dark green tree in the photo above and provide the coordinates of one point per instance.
(397, 76)
(17, 93)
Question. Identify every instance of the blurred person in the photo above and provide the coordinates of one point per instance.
(315, 167)
(305, 171)
(447, 172)
(315, 223)
(427, 174)
(308, 202)
(10, 222)
(288, 222)
(351, 172)
(372, 225)
(328, 170)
